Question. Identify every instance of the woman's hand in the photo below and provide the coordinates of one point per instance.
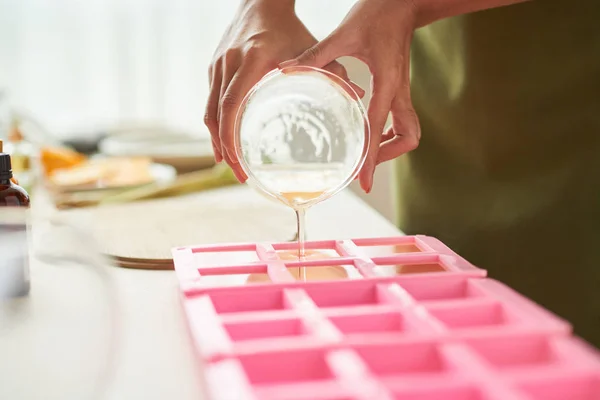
(263, 34)
(379, 33)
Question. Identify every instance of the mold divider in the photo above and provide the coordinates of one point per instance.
(433, 244)
(397, 296)
(209, 334)
(315, 321)
(400, 297)
(362, 263)
(276, 268)
(231, 371)
(266, 252)
(365, 267)
(485, 376)
(347, 248)
(353, 374)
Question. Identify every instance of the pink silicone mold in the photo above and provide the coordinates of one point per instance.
(387, 318)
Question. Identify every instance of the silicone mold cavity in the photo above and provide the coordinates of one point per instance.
(403, 358)
(286, 367)
(474, 315)
(264, 329)
(526, 350)
(368, 293)
(241, 301)
(383, 322)
(442, 288)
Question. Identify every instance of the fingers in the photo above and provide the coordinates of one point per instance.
(379, 107)
(332, 47)
(243, 80)
(406, 131)
(404, 135)
(355, 91)
(339, 70)
(211, 113)
(387, 135)
(231, 63)
(359, 91)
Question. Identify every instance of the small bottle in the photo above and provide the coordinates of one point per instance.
(11, 194)
(14, 247)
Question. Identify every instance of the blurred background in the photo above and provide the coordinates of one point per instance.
(87, 69)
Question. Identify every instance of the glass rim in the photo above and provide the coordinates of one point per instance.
(352, 97)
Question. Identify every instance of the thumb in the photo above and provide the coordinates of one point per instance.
(321, 54)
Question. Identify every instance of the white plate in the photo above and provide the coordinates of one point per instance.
(155, 142)
(185, 152)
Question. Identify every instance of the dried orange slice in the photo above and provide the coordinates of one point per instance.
(55, 158)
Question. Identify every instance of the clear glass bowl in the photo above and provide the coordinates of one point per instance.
(301, 135)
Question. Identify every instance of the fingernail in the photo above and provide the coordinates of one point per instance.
(363, 186)
(216, 153)
(218, 156)
(233, 157)
(371, 179)
(288, 63)
(239, 175)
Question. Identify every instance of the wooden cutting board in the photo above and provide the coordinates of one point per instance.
(141, 234)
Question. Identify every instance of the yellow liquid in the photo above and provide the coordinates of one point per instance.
(324, 272)
(418, 268)
(320, 273)
(296, 200)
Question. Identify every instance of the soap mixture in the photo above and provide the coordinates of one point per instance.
(320, 273)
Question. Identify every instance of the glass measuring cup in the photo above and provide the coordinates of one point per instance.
(301, 135)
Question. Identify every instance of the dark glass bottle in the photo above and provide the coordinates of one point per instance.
(11, 194)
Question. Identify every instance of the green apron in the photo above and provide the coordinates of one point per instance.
(508, 169)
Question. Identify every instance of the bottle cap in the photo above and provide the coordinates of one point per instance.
(5, 166)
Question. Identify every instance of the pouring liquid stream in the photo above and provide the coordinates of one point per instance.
(296, 201)
(298, 186)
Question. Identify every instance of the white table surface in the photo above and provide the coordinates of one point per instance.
(56, 343)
